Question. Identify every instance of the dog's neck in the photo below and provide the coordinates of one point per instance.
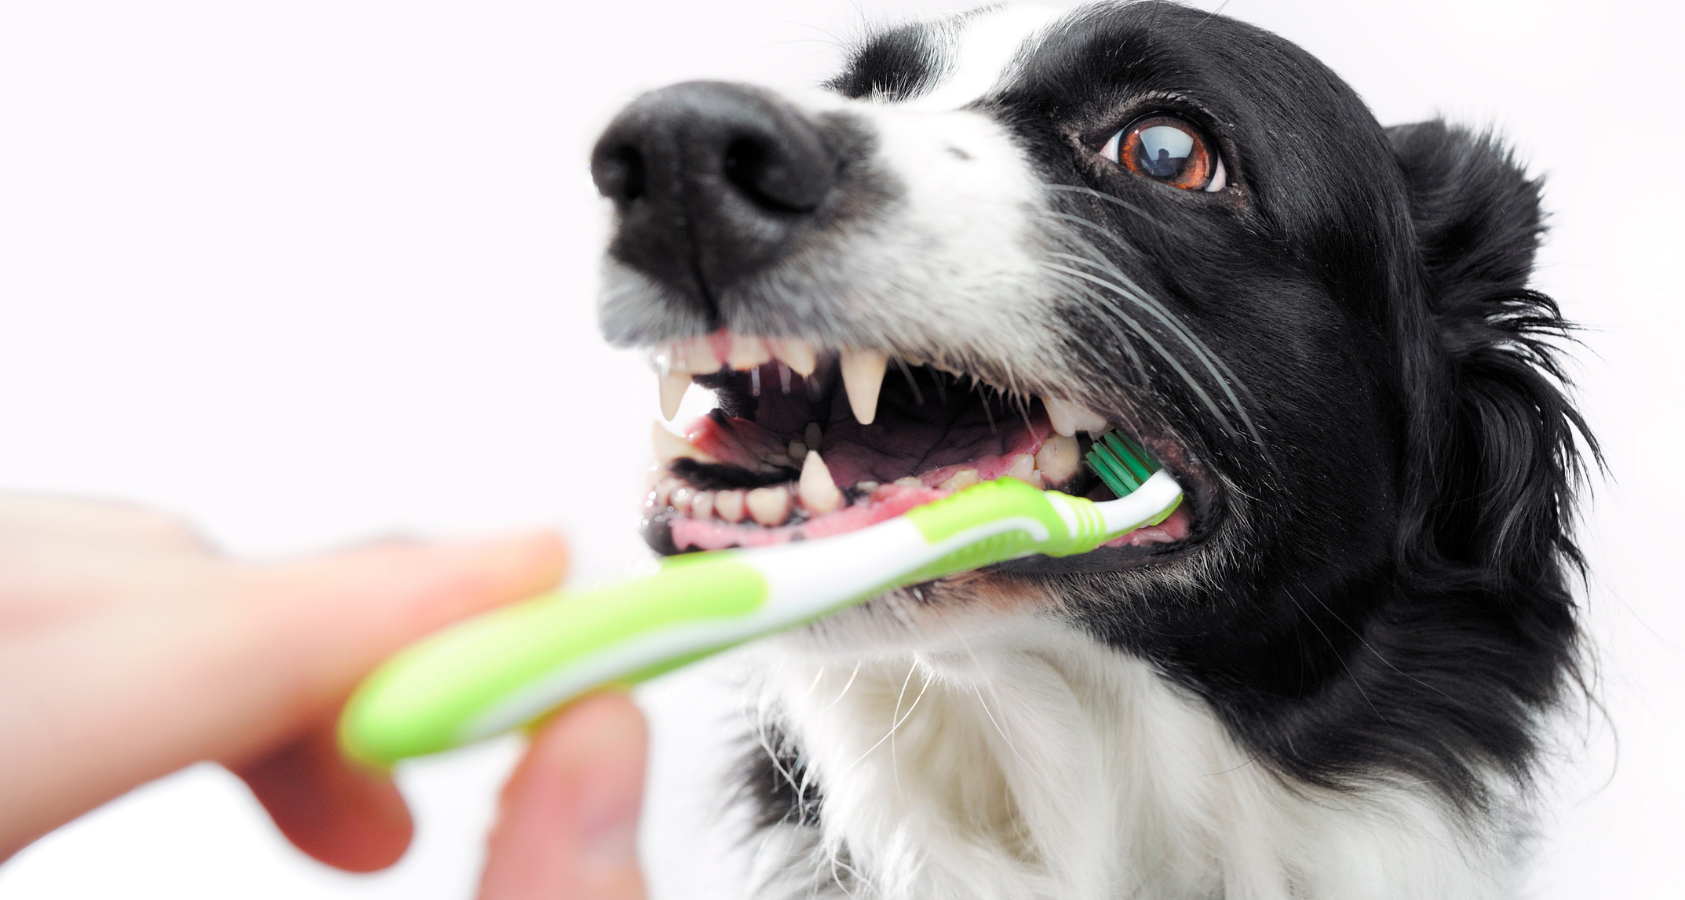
(1027, 761)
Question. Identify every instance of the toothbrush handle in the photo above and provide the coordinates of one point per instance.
(507, 667)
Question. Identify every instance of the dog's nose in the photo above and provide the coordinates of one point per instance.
(711, 181)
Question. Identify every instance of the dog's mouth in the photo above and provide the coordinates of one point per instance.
(808, 442)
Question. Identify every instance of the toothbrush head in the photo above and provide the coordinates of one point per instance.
(1120, 462)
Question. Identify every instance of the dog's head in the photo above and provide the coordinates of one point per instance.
(999, 233)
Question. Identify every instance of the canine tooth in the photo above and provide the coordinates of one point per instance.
(1069, 418)
(664, 491)
(818, 492)
(1058, 458)
(652, 477)
(811, 435)
(1023, 468)
(673, 387)
(793, 352)
(729, 505)
(769, 505)
(964, 478)
(862, 372)
(702, 505)
(747, 352)
(909, 481)
(681, 499)
(669, 446)
(695, 356)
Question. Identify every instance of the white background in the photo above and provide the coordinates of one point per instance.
(314, 271)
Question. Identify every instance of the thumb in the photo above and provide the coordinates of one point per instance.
(567, 826)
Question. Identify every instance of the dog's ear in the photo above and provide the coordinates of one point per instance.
(1495, 448)
(1477, 214)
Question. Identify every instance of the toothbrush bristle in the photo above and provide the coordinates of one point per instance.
(1120, 462)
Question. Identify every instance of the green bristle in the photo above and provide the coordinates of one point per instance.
(1121, 463)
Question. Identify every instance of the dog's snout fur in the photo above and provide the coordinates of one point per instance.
(712, 180)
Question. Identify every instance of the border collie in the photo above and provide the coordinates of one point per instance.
(997, 235)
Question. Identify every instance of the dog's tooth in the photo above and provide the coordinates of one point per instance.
(811, 436)
(909, 481)
(673, 387)
(1023, 468)
(681, 499)
(1069, 418)
(769, 506)
(1058, 458)
(798, 450)
(747, 352)
(702, 505)
(694, 356)
(669, 446)
(960, 480)
(661, 357)
(728, 505)
(865, 487)
(862, 372)
(664, 491)
(817, 491)
(795, 353)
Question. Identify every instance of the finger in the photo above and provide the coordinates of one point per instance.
(342, 815)
(567, 825)
(241, 661)
(35, 519)
(318, 628)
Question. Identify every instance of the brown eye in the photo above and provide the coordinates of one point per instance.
(1167, 149)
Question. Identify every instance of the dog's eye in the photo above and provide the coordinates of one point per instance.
(1167, 149)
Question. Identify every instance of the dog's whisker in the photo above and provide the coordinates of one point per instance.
(844, 692)
(1220, 371)
(898, 718)
(1146, 336)
(918, 396)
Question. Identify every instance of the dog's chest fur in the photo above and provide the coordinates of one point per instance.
(1026, 761)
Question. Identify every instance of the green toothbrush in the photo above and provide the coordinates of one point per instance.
(505, 668)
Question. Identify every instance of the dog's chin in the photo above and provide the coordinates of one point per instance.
(808, 442)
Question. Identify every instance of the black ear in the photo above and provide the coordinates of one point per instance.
(1497, 457)
(1476, 213)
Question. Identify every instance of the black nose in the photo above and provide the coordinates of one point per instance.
(712, 181)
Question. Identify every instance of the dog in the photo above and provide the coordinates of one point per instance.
(995, 236)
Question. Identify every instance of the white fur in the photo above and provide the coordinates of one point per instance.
(1022, 760)
(982, 53)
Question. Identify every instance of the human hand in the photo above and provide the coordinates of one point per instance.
(128, 650)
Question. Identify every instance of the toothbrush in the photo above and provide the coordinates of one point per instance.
(506, 668)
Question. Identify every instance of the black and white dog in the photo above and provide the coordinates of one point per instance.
(1327, 676)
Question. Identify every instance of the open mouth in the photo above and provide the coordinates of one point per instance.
(808, 442)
